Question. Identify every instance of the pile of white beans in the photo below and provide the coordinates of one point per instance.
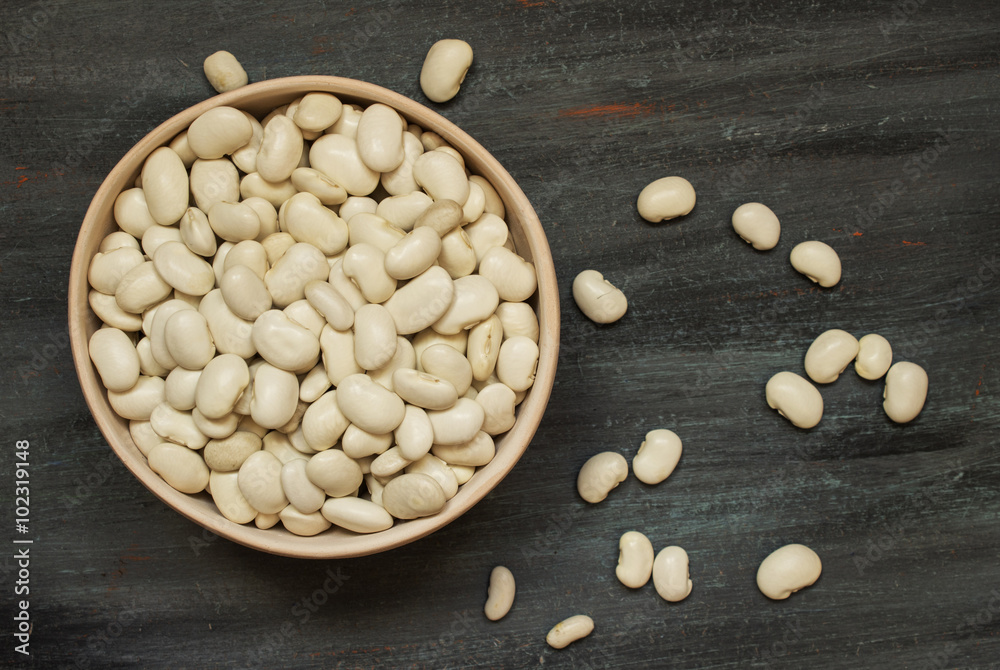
(318, 317)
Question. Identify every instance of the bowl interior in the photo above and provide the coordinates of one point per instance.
(529, 238)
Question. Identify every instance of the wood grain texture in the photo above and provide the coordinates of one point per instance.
(872, 128)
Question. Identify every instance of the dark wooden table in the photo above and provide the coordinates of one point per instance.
(872, 128)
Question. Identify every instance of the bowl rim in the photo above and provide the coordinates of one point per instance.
(334, 543)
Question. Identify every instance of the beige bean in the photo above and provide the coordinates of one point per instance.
(234, 221)
(189, 340)
(400, 181)
(334, 472)
(317, 111)
(494, 203)
(657, 457)
(365, 264)
(218, 132)
(374, 337)
(245, 156)
(265, 521)
(443, 216)
(182, 269)
(260, 482)
(427, 298)
(414, 435)
(287, 278)
(226, 494)
(107, 269)
(478, 451)
(404, 209)
(787, 570)
(389, 464)
(275, 396)
(829, 355)
(141, 288)
(413, 254)
(795, 399)
(310, 180)
(600, 474)
(221, 384)
(905, 391)
(434, 467)
(358, 443)
(355, 205)
(380, 138)
(818, 261)
(757, 225)
(284, 343)
(148, 366)
(183, 149)
(513, 277)
(305, 315)
(517, 362)
(357, 515)
(671, 575)
(302, 493)
(598, 298)
(144, 436)
(441, 177)
(280, 446)
(570, 630)
(457, 424)
(635, 559)
(253, 185)
(275, 245)
(498, 402)
(280, 149)
(132, 213)
(346, 287)
(215, 429)
(487, 232)
(423, 389)
(483, 348)
(369, 405)
(323, 422)
(665, 199)
(444, 69)
(370, 228)
(428, 338)
(403, 357)
(115, 358)
(157, 235)
(232, 335)
(337, 347)
(518, 318)
(457, 255)
(107, 309)
(219, 262)
(180, 467)
(176, 426)
(165, 185)
(244, 292)
(500, 595)
(445, 362)
(347, 124)
(874, 356)
(475, 299)
(411, 496)
(338, 158)
(224, 72)
(229, 453)
(118, 240)
(196, 232)
(330, 303)
(475, 205)
(307, 220)
(181, 387)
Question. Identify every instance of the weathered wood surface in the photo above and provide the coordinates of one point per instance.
(872, 128)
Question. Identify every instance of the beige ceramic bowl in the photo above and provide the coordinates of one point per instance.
(335, 543)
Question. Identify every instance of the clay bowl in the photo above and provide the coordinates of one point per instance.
(530, 241)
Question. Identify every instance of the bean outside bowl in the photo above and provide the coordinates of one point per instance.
(529, 238)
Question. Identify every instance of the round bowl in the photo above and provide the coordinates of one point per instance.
(530, 241)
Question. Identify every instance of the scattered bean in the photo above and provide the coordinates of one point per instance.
(570, 630)
(818, 261)
(600, 474)
(597, 298)
(795, 399)
(787, 570)
(905, 391)
(757, 225)
(829, 355)
(657, 457)
(635, 559)
(665, 199)
(670, 574)
(874, 356)
(500, 596)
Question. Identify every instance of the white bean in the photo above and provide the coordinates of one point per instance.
(444, 69)
(380, 138)
(165, 185)
(478, 451)
(665, 199)
(498, 401)
(181, 387)
(310, 180)
(518, 318)
(245, 156)
(635, 559)
(787, 570)
(513, 277)
(357, 515)
(414, 435)
(323, 423)
(196, 232)
(317, 111)
(218, 132)
(457, 424)
(189, 340)
(517, 363)
(275, 396)
(818, 261)
(404, 209)
(411, 496)
(475, 299)
(280, 149)
(905, 391)
(244, 292)
(139, 401)
(335, 472)
(457, 255)
(358, 443)
(338, 158)
(182, 468)
(600, 474)
(286, 280)
(337, 347)
(424, 301)
(757, 225)
(253, 185)
(500, 596)
(597, 298)
(369, 405)
(874, 356)
(671, 575)
(657, 457)
(132, 212)
(107, 309)
(224, 72)
(374, 337)
(284, 343)
(176, 426)
(226, 494)
(829, 355)
(141, 288)
(183, 269)
(795, 399)
(434, 467)
(570, 630)
(232, 335)
(307, 220)
(115, 358)
(446, 362)
(365, 264)
(107, 269)
(413, 254)
(441, 176)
